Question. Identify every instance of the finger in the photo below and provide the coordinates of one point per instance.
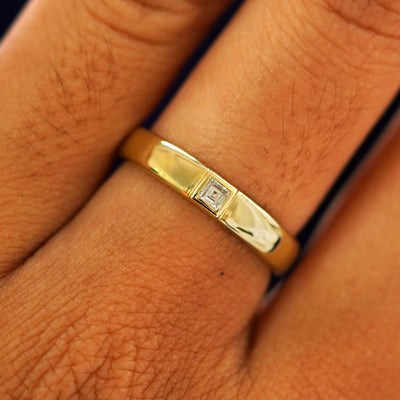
(308, 82)
(334, 328)
(151, 270)
(132, 309)
(75, 76)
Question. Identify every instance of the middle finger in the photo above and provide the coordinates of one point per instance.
(286, 95)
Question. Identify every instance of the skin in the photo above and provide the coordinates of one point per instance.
(115, 290)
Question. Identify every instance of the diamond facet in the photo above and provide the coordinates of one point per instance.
(214, 194)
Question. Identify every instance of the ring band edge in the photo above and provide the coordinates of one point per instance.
(139, 146)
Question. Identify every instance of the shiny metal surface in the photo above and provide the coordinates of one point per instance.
(252, 223)
(214, 195)
(177, 168)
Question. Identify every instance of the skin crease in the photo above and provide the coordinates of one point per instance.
(140, 296)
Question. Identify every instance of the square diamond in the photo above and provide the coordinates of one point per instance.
(214, 194)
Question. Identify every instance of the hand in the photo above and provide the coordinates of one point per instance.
(131, 292)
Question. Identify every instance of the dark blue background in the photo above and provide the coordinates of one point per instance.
(8, 11)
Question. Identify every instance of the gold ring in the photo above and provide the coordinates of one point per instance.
(213, 194)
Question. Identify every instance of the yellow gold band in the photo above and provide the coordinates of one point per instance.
(213, 194)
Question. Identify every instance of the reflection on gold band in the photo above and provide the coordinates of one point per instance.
(212, 193)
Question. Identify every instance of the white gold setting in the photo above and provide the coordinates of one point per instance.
(213, 194)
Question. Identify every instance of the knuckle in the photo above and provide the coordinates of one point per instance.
(77, 82)
(380, 17)
(354, 37)
(90, 65)
(75, 356)
(151, 22)
(124, 337)
(119, 354)
(46, 352)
